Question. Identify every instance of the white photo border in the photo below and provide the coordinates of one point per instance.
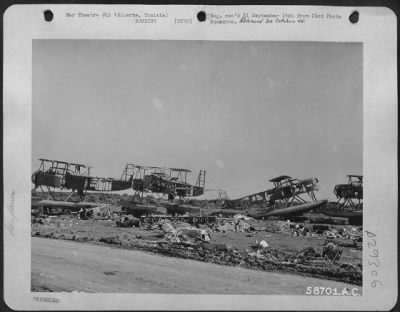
(376, 30)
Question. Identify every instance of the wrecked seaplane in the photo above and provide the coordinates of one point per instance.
(284, 199)
(65, 175)
(350, 195)
(350, 201)
(56, 174)
(160, 180)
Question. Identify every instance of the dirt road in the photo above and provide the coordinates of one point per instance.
(69, 266)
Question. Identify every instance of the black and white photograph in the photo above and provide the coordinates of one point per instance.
(232, 154)
(199, 165)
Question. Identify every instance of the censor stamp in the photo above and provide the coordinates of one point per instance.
(239, 157)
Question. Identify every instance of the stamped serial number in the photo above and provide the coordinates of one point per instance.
(332, 291)
(46, 299)
(373, 259)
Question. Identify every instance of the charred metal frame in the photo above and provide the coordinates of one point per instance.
(55, 173)
(350, 195)
(287, 191)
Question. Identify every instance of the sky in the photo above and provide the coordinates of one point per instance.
(243, 111)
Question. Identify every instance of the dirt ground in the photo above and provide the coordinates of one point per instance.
(239, 251)
(84, 267)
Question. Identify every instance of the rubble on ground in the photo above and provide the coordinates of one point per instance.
(174, 237)
(187, 234)
(128, 221)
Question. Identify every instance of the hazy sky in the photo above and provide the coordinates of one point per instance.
(243, 111)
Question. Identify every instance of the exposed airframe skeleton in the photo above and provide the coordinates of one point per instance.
(286, 198)
(61, 174)
(162, 180)
(350, 195)
(286, 192)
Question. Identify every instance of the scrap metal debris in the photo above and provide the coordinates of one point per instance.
(186, 234)
(315, 249)
(128, 221)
